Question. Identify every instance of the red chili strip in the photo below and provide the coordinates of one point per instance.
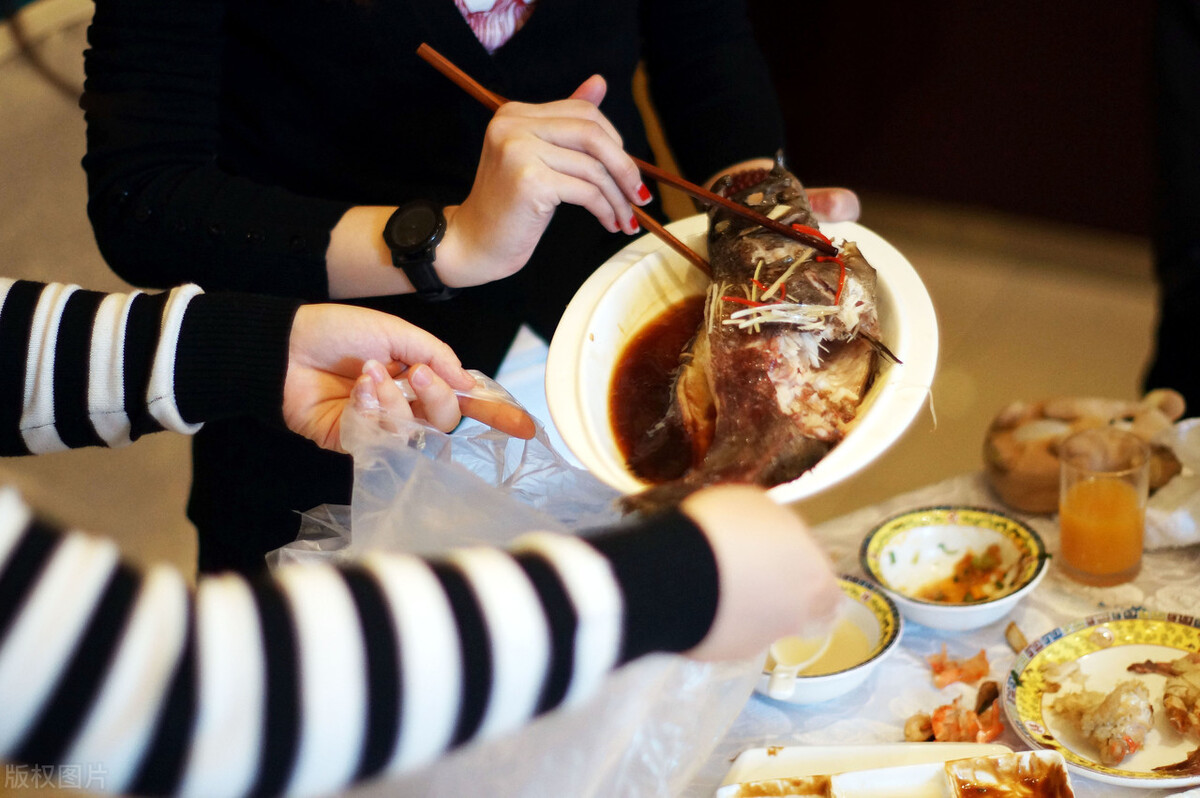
(837, 298)
(764, 288)
(750, 303)
(812, 231)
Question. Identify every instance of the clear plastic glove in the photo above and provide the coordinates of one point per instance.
(486, 401)
(327, 350)
(535, 157)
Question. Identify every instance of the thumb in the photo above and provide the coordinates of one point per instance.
(593, 90)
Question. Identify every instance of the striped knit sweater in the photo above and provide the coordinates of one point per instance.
(317, 676)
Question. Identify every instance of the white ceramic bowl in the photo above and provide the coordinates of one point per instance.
(877, 618)
(647, 277)
(920, 547)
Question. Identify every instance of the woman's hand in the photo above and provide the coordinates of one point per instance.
(329, 347)
(834, 204)
(534, 158)
(774, 580)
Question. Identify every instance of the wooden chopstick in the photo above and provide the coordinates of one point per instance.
(459, 78)
(704, 195)
(494, 101)
(663, 234)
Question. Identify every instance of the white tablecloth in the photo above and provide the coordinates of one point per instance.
(1169, 581)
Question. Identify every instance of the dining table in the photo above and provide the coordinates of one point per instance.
(875, 713)
(872, 716)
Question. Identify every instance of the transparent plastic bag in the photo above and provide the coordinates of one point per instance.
(649, 727)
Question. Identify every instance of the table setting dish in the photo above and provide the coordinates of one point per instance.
(1094, 655)
(647, 277)
(778, 762)
(954, 568)
(935, 770)
(867, 632)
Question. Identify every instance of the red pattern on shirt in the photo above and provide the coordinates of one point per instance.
(496, 25)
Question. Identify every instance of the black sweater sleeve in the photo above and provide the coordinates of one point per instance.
(83, 368)
(164, 207)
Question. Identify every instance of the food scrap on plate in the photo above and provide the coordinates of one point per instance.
(947, 671)
(1027, 774)
(976, 577)
(1116, 723)
(799, 786)
(955, 723)
(1181, 693)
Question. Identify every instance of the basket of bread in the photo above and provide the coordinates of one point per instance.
(1020, 450)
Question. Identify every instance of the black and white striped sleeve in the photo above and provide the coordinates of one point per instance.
(320, 676)
(83, 368)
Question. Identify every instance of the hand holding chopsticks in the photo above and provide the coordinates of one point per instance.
(493, 101)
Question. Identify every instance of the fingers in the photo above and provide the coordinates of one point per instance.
(375, 390)
(507, 418)
(584, 146)
(835, 204)
(591, 90)
(579, 109)
(436, 402)
(409, 344)
(576, 179)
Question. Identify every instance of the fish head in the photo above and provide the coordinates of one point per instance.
(780, 195)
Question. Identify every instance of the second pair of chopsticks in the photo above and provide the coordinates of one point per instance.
(494, 101)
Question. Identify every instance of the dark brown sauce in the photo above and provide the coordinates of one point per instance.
(641, 391)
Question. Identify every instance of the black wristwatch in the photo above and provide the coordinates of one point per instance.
(412, 234)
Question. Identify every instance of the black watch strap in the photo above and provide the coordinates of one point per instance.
(412, 234)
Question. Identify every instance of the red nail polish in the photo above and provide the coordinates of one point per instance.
(643, 193)
(633, 223)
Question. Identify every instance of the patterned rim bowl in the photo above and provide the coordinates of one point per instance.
(911, 555)
(875, 616)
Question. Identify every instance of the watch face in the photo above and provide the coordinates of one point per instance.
(414, 227)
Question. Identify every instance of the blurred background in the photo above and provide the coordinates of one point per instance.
(1004, 148)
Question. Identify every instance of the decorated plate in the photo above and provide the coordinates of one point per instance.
(1103, 646)
(920, 549)
(868, 632)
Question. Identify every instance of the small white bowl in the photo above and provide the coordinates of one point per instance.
(876, 617)
(647, 277)
(914, 549)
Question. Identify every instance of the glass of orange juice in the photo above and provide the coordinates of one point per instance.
(1102, 505)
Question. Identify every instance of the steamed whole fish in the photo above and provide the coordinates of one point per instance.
(788, 347)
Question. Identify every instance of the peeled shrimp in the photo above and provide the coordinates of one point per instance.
(1116, 723)
(1181, 693)
(954, 723)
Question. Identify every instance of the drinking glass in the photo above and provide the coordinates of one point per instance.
(1102, 505)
